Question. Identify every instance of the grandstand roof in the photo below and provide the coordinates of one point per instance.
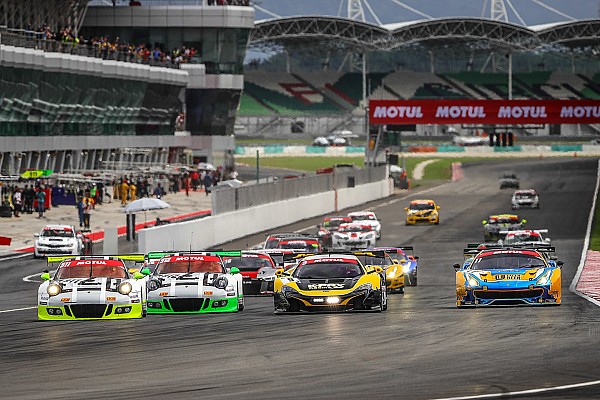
(56, 14)
(368, 36)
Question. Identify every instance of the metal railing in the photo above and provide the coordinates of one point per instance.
(226, 199)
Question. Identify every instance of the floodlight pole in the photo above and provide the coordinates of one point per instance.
(510, 77)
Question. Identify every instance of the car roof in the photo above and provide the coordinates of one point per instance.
(358, 213)
(525, 191)
(421, 201)
(328, 257)
(58, 227)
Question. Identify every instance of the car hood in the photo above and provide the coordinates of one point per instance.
(56, 240)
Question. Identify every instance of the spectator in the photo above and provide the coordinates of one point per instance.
(132, 191)
(41, 200)
(208, 181)
(159, 192)
(80, 206)
(88, 206)
(124, 192)
(17, 200)
(29, 196)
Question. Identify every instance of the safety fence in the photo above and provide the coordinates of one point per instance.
(226, 199)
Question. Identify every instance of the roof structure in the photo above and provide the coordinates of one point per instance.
(56, 14)
(353, 34)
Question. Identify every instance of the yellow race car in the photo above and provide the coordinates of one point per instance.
(393, 270)
(422, 211)
(330, 282)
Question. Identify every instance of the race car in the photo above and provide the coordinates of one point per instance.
(526, 237)
(56, 240)
(92, 287)
(250, 263)
(301, 242)
(330, 282)
(329, 226)
(367, 218)
(394, 273)
(267, 275)
(404, 256)
(422, 211)
(509, 180)
(191, 283)
(354, 236)
(508, 276)
(526, 198)
(495, 224)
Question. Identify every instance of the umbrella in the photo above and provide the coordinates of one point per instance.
(144, 204)
(206, 166)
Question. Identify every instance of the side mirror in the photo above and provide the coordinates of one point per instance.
(456, 266)
(523, 221)
(437, 207)
(138, 275)
(405, 208)
(45, 276)
(36, 235)
(560, 263)
(234, 270)
(318, 226)
(415, 257)
(146, 271)
(484, 222)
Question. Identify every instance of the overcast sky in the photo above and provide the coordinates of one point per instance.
(531, 11)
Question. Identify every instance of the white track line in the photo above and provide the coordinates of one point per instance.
(524, 392)
(18, 309)
(586, 243)
(15, 257)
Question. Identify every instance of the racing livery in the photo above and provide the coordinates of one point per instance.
(526, 198)
(56, 240)
(367, 218)
(354, 236)
(394, 274)
(92, 287)
(408, 262)
(422, 211)
(508, 277)
(526, 237)
(250, 264)
(190, 283)
(496, 226)
(330, 282)
(329, 226)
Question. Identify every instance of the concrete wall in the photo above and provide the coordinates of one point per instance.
(211, 231)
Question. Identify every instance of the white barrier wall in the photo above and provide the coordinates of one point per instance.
(214, 230)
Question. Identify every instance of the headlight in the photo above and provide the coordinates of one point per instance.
(221, 282)
(391, 272)
(154, 285)
(288, 290)
(369, 235)
(53, 289)
(544, 278)
(365, 286)
(125, 288)
(473, 282)
(406, 268)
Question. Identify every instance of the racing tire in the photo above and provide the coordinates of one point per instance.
(144, 310)
(437, 222)
(240, 307)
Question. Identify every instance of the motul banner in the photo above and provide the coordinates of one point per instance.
(399, 112)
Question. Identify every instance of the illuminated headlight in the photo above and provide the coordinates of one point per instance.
(333, 300)
(369, 235)
(365, 286)
(544, 278)
(391, 272)
(53, 289)
(125, 288)
(221, 282)
(473, 282)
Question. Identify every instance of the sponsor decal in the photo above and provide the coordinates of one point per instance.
(65, 299)
(325, 286)
(507, 277)
(208, 293)
(484, 111)
(111, 298)
(163, 294)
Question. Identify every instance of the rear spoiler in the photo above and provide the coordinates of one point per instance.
(125, 257)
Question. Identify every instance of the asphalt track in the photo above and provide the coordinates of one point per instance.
(421, 348)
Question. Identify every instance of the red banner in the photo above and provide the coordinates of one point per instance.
(405, 112)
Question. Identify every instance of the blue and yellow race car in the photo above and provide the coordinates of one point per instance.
(404, 256)
(508, 276)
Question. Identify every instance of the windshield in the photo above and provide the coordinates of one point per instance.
(363, 217)
(504, 221)
(333, 223)
(248, 263)
(421, 206)
(177, 267)
(327, 270)
(57, 233)
(522, 238)
(507, 261)
(373, 260)
(355, 228)
(91, 271)
(303, 245)
(524, 196)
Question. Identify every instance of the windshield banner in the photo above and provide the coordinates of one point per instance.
(406, 112)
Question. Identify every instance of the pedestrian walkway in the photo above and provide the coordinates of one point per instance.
(22, 230)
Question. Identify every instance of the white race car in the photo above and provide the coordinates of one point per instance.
(526, 198)
(91, 287)
(191, 283)
(354, 236)
(367, 218)
(57, 240)
(525, 237)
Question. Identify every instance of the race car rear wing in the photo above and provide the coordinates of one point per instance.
(154, 255)
(125, 257)
(503, 232)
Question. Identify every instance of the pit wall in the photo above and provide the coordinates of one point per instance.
(215, 230)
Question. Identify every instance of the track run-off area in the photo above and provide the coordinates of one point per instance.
(423, 347)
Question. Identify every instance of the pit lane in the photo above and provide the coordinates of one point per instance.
(421, 348)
